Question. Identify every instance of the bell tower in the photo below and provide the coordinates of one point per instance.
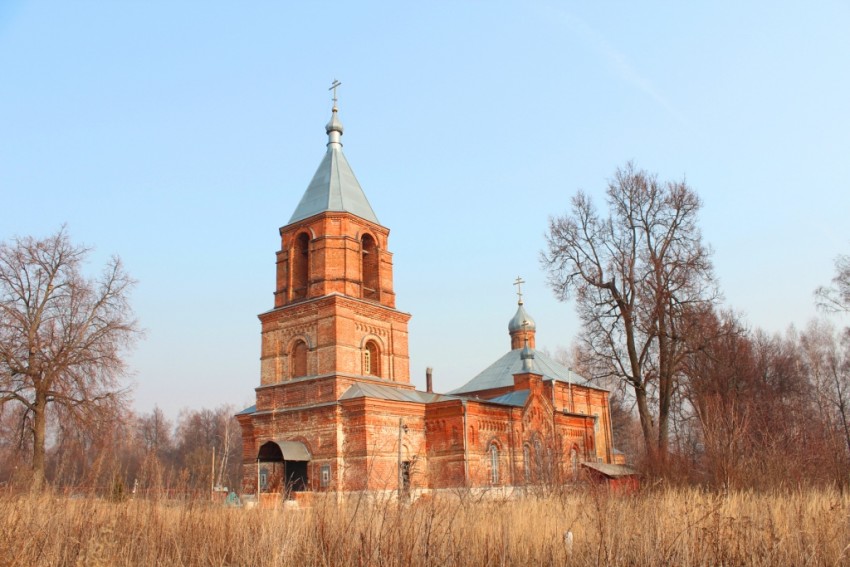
(334, 312)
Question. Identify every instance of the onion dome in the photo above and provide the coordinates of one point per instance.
(522, 321)
(334, 127)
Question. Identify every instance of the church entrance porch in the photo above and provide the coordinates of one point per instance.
(282, 468)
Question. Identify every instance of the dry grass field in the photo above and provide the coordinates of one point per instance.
(666, 527)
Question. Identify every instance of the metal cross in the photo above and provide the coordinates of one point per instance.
(334, 85)
(518, 283)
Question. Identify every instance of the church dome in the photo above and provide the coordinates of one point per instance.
(516, 323)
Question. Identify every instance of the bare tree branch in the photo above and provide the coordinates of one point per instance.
(836, 299)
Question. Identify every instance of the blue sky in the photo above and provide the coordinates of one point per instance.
(181, 135)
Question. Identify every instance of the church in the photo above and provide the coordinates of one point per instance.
(335, 409)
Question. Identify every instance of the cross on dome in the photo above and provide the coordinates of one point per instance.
(521, 321)
(518, 283)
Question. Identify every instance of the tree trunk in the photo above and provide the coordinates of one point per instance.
(665, 394)
(663, 431)
(645, 421)
(842, 410)
(39, 428)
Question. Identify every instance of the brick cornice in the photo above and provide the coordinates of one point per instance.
(334, 299)
(346, 376)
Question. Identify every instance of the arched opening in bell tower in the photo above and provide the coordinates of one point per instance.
(301, 266)
(369, 255)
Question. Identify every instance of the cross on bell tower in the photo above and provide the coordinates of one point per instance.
(334, 85)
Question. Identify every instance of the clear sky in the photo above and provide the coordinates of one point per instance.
(181, 135)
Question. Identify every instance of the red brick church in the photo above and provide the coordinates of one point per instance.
(335, 407)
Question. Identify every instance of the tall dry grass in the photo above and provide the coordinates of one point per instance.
(671, 527)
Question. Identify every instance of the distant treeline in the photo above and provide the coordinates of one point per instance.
(133, 453)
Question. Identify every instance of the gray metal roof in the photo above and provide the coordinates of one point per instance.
(501, 373)
(334, 186)
(248, 410)
(362, 390)
(517, 398)
(611, 471)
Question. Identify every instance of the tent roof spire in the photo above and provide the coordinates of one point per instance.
(334, 186)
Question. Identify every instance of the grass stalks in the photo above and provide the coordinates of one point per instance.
(666, 527)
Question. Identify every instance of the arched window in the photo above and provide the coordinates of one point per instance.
(494, 464)
(369, 257)
(298, 363)
(301, 266)
(539, 463)
(371, 359)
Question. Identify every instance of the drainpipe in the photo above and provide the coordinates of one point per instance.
(465, 447)
(609, 449)
(391, 354)
(554, 431)
(584, 429)
(513, 439)
(400, 475)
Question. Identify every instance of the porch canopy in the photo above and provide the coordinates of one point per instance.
(278, 450)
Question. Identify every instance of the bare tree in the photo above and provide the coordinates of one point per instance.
(836, 298)
(766, 409)
(154, 430)
(637, 275)
(62, 335)
(720, 393)
(826, 359)
(198, 434)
